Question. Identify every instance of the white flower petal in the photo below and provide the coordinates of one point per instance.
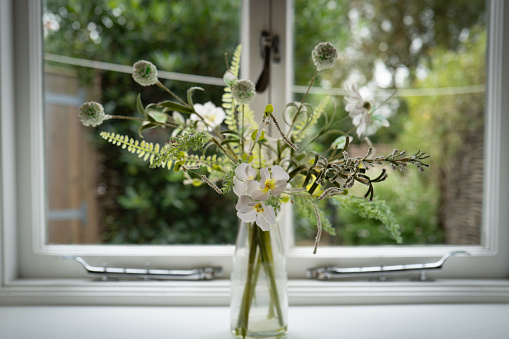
(252, 186)
(279, 188)
(244, 204)
(279, 173)
(247, 217)
(361, 129)
(269, 214)
(350, 107)
(240, 171)
(199, 109)
(265, 175)
(239, 187)
(250, 172)
(356, 120)
(260, 221)
(260, 195)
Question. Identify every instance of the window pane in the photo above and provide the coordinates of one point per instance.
(98, 192)
(434, 53)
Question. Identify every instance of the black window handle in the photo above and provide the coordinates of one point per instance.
(268, 44)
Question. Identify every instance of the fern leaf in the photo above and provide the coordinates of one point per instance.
(230, 120)
(235, 67)
(142, 149)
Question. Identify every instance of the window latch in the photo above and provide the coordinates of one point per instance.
(268, 44)
(111, 273)
(326, 273)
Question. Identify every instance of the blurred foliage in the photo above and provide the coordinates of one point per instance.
(442, 39)
(142, 205)
(420, 44)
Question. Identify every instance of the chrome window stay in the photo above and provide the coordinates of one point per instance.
(112, 273)
(326, 273)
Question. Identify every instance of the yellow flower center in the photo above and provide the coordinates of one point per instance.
(269, 185)
(259, 208)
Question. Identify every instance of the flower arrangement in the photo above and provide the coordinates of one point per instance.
(286, 170)
(228, 150)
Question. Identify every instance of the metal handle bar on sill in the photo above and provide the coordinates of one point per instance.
(109, 273)
(325, 273)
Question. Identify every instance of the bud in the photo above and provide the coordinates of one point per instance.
(145, 73)
(243, 91)
(324, 55)
(229, 78)
(92, 114)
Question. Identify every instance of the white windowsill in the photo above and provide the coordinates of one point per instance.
(217, 292)
(305, 322)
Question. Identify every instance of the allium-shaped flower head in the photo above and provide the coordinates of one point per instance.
(91, 114)
(229, 78)
(324, 55)
(145, 73)
(243, 91)
(274, 185)
(250, 211)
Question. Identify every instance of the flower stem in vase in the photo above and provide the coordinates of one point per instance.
(268, 260)
(259, 255)
(250, 284)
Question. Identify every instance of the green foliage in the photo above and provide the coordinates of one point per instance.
(145, 213)
(231, 120)
(228, 180)
(275, 202)
(148, 150)
(306, 210)
(178, 147)
(376, 209)
(123, 32)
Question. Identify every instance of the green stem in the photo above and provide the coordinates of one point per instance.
(158, 83)
(245, 306)
(268, 264)
(260, 155)
(123, 117)
(242, 132)
(301, 103)
(223, 150)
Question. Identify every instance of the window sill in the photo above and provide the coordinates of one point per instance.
(216, 292)
(388, 321)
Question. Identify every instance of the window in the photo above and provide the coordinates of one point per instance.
(28, 261)
(421, 49)
(96, 193)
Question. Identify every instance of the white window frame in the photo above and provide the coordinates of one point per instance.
(30, 271)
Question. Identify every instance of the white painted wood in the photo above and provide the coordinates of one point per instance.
(360, 322)
(8, 194)
(216, 293)
(27, 263)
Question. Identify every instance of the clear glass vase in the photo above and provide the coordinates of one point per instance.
(259, 297)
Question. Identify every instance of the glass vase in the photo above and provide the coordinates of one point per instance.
(259, 297)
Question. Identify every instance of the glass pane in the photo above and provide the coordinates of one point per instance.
(98, 192)
(433, 52)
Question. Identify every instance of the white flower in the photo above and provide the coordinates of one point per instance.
(324, 55)
(92, 114)
(358, 110)
(244, 179)
(243, 91)
(145, 73)
(212, 115)
(274, 185)
(250, 211)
